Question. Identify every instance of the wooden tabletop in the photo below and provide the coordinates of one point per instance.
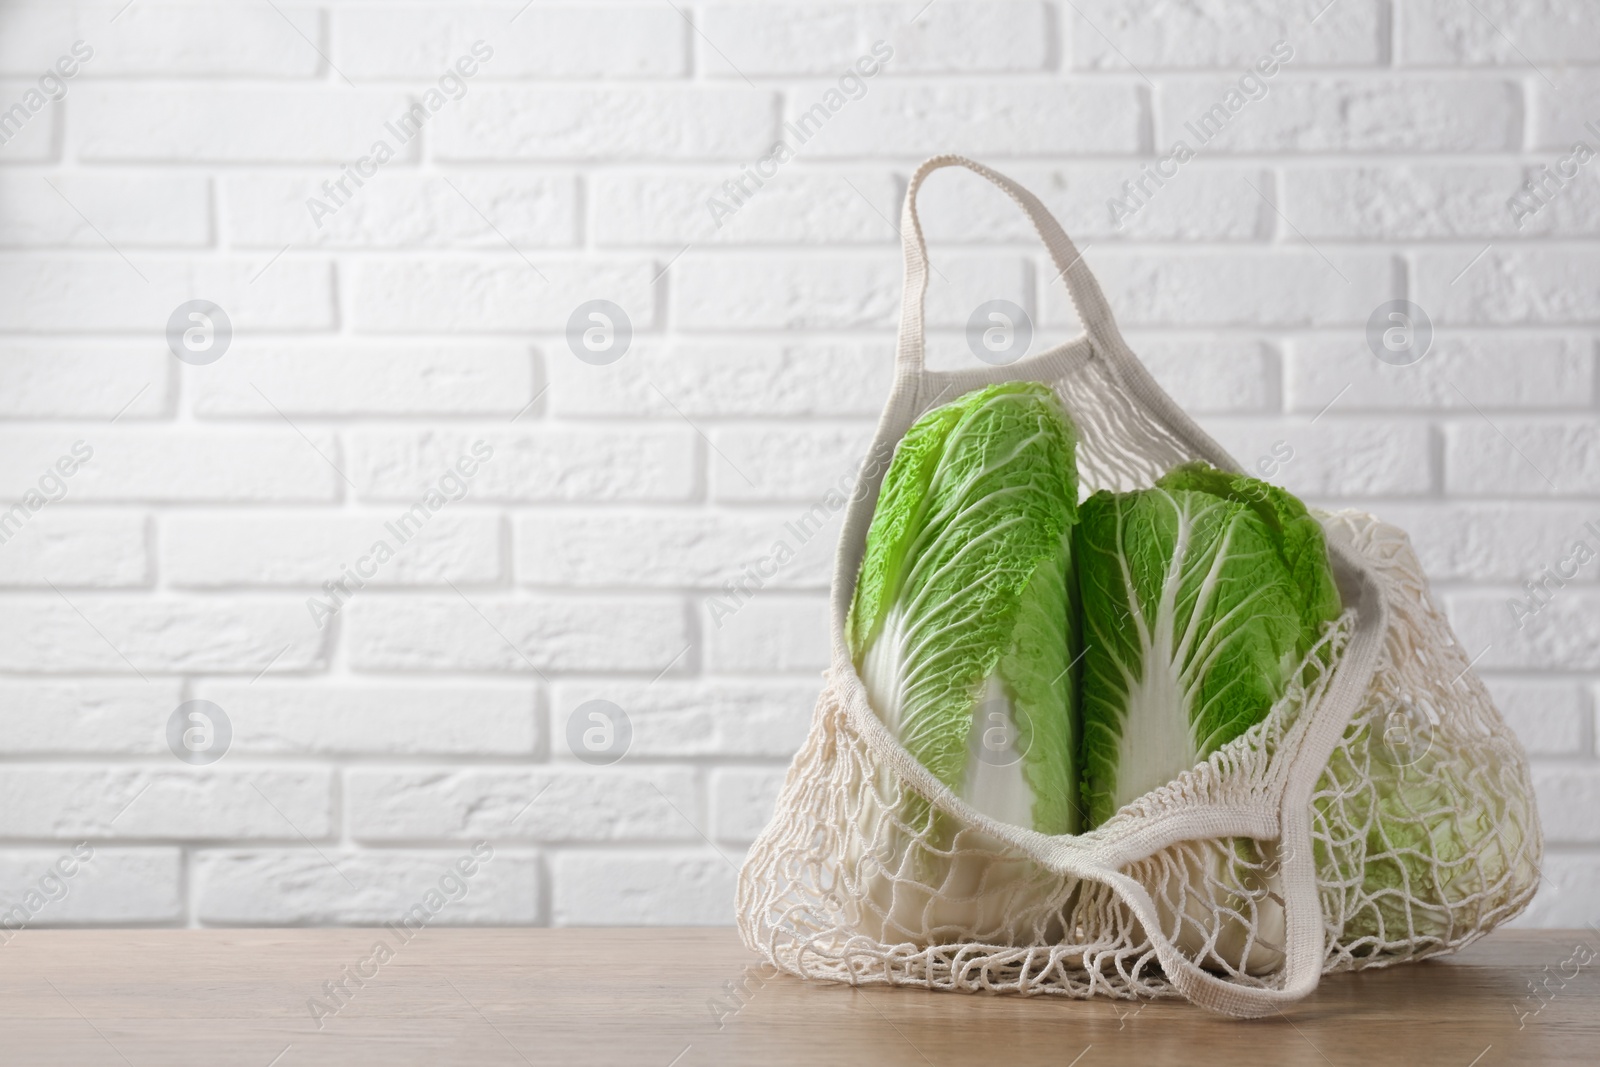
(661, 998)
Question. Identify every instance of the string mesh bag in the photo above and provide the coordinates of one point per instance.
(1381, 811)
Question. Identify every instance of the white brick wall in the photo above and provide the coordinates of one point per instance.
(428, 312)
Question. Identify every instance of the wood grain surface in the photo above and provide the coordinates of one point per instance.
(661, 998)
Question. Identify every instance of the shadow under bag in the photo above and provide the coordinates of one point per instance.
(1302, 847)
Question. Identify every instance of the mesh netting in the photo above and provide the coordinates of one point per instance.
(1423, 832)
(1423, 824)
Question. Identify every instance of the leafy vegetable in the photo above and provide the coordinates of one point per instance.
(1200, 598)
(960, 626)
(1432, 855)
(1300, 537)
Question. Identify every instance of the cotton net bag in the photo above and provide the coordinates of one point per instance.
(1381, 812)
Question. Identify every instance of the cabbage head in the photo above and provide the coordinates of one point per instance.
(1435, 858)
(961, 626)
(1200, 598)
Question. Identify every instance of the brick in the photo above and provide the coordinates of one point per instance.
(302, 887)
(323, 718)
(515, 804)
(1543, 286)
(75, 548)
(1202, 202)
(492, 294)
(1335, 458)
(1441, 33)
(168, 40)
(121, 717)
(1562, 636)
(568, 42)
(717, 378)
(106, 885)
(566, 463)
(403, 210)
(661, 122)
(1208, 373)
(1109, 34)
(235, 550)
(172, 464)
(1456, 373)
(157, 635)
(1518, 457)
(1567, 795)
(1541, 202)
(993, 119)
(959, 283)
(770, 633)
(1559, 115)
(1547, 716)
(742, 801)
(124, 801)
(1425, 201)
(548, 634)
(33, 139)
(1565, 898)
(129, 210)
(59, 295)
(717, 292)
(732, 293)
(1344, 115)
(800, 463)
(1283, 287)
(645, 888)
(668, 550)
(284, 124)
(698, 717)
(794, 207)
(1491, 542)
(366, 378)
(67, 379)
(961, 36)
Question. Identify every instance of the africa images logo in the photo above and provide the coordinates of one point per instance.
(52, 88)
(806, 125)
(1205, 127)
(452, 486)
(452, 86)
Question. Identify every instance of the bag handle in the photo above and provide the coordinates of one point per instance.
(1087, 300)
(1304, 933)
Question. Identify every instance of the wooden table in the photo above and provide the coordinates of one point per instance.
(658, 998)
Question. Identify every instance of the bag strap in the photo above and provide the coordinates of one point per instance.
(1087, 300)
(1304, 925)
